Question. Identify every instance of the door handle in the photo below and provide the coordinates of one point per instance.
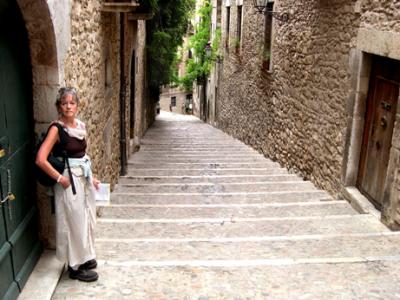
(2, 151)
(386, 105)
(383, 122)
(9, 197)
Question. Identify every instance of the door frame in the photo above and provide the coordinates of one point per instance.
(378, 76)
(360, 72)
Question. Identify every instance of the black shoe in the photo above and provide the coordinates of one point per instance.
(90, 264)
(83, 275)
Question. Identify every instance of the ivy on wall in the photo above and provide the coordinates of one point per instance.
(199, 66)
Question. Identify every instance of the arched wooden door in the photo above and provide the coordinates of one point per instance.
(19, 243)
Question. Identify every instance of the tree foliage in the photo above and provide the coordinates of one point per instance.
(199, 66)
(165, 33)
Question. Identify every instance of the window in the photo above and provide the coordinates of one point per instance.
(239, 23)
(219, 8)
(268, 30)
(228, 20)
(173, 101)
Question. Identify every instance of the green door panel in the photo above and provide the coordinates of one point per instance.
(7, 283)
(19, 243)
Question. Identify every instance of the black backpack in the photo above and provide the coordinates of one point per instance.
(57, 163)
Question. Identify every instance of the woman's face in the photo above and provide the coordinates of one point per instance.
(68, 106)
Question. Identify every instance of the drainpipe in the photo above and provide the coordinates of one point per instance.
(122, 96)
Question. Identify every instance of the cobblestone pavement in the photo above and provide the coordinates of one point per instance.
(202, 216)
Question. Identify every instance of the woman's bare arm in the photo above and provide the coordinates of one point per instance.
(43, 153)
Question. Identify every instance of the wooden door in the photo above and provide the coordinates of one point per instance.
(19, 243)
(378, 130)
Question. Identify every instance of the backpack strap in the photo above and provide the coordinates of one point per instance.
(61, 134)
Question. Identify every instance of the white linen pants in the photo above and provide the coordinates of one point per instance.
(75, 220)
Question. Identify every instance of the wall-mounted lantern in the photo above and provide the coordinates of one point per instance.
(262, 8)
(208, 52)
(208, 49)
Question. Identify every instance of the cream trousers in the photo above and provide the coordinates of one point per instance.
(75, 220)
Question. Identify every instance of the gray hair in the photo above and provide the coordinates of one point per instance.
(63, 92)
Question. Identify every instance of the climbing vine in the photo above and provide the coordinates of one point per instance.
(198, 67)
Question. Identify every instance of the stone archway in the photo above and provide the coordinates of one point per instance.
(43, 48)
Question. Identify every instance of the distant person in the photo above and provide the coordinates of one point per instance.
(170, 107)
(75, 213)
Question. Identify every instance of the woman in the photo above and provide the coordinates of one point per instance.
(75, 213)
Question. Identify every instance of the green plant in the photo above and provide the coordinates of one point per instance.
(235, 43)
(165, 33)
(199, 66)
(266, 55)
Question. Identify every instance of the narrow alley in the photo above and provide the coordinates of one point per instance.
(202, 216)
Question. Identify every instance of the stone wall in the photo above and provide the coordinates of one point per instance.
(92, 66)
(88, 54)
(299, 110)
(294, 114)
(165, 100)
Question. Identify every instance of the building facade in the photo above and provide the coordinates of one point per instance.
(96, 46)
(315, 87)
(176, 100)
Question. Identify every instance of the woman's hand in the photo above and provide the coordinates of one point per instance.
(96, 183)
(64, 181)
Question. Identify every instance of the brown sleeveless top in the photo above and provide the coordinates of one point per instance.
(75, 147)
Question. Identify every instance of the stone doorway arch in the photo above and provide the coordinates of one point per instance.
(45, 67)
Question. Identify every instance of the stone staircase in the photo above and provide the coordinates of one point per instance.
(202, 216)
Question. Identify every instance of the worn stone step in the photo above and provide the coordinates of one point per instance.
(377, 278)
(232, 198)
(204, 160)
(167, 211)
(238, 227)
(203, 140)
(312, 247)
(203, 156)
(200, 141)
(202, 165)
(193, 151)
(205, 172)
(199, 148)
(211, 179)
(210, 188)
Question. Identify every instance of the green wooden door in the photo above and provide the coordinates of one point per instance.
(19, 243)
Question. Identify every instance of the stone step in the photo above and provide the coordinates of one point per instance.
(206, 166)
(376, 278)
(210, 188)
(211, 179)
(212, 156)
(204, 160)
(166, 211)
(238, 227)
(197, 147)
(232, 198)
(205, 172)
(203, 140)
(190, 150)
(313, 247)
(200, 141)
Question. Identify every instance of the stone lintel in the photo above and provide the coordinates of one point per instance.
(383, 43)
(118, 7)
(140, 16)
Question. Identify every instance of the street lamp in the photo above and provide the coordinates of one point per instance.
(262, 8)
(208, 49)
